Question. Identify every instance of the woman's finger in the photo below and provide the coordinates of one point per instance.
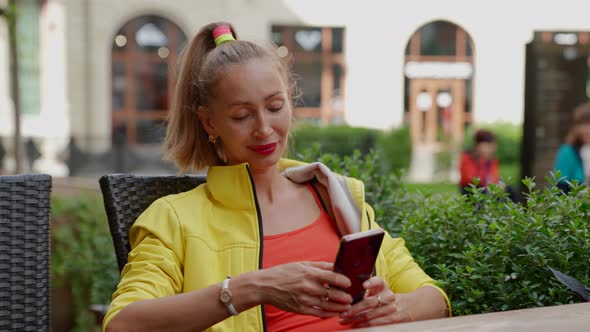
(328, 304)
(323, 273)
(374, 285)
(320, 265)
(310, 305)
(373, 307)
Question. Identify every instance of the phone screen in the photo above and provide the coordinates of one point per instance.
(356, 259)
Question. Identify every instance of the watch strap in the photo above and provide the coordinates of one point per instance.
(230, 307)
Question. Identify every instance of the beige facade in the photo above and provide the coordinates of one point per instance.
(77, 36)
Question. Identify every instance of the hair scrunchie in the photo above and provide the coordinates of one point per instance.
(222, 34)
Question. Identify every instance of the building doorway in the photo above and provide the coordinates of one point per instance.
(437, 115)
(438, 97)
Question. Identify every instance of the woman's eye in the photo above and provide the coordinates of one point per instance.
(240, 117)
(275, 108)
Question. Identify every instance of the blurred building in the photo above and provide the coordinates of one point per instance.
(96, 76)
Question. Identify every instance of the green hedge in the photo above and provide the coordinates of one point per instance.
(488, 253)
(83, 256)
(343, 141)
(395, 146)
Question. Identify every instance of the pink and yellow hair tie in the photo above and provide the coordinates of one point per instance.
(222, 34)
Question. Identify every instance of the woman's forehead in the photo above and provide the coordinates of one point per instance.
(253, 79)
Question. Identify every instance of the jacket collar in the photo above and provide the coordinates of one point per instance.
(232, 186)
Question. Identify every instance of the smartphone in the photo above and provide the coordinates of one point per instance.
(356, 259)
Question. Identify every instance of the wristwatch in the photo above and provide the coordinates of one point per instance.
(225, 297)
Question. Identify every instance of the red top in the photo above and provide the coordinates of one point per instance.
(485, 170)
(317, 241)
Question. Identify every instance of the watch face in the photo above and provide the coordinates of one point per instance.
(225, 296)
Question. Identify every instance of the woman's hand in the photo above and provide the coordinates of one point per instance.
(308, 288)
(381, 306)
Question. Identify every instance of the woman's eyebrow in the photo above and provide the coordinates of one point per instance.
(242, 102)
(273, 94)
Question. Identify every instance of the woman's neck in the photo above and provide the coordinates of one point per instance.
(268, 183)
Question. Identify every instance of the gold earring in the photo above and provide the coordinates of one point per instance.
(213, 139)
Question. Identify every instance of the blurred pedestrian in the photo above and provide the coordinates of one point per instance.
(480, 162)
(573, 157)
(479, 166)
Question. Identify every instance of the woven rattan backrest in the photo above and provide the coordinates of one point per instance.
(126, 196)
(25, 205)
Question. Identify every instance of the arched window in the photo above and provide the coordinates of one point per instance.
(318, 54)
(144, 55)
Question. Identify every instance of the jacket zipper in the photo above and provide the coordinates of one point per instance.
(261, 236)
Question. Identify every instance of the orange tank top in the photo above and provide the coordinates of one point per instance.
(317, 241)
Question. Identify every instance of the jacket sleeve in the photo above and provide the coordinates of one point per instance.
(400, 271)
(154, 268)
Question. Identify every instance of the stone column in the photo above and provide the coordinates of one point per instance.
(54, 124)
(6, 103)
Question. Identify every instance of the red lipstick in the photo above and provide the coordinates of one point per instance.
(265, 149)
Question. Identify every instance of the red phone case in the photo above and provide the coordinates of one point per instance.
(356, 259)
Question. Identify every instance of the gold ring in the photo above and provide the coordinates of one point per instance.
(379, 301)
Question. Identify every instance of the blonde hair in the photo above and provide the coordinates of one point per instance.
(581, 116)
(201, 67)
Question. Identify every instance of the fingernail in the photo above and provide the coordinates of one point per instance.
(366, 284)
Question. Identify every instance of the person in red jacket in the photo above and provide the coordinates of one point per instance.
(480, 162)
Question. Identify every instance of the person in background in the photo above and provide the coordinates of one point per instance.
(573, 157)
(480, 162)
(252, 249)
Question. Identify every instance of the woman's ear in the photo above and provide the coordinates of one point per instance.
(205, 118)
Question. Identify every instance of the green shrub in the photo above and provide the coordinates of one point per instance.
(396, 148)
(83, 255)
(488, 253)
(341, 140)
(395, 144)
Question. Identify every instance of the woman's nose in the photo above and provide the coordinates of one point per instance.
(263, 126)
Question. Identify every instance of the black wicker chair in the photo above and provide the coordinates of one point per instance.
(126, 196)
(25, 208)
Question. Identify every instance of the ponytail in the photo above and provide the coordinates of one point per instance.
(186, 140)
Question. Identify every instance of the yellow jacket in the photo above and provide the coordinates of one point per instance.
(191, 240)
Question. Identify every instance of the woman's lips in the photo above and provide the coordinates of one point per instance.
(264, 149)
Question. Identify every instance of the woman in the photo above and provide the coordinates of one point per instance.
(573, 157)
(252, 248)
